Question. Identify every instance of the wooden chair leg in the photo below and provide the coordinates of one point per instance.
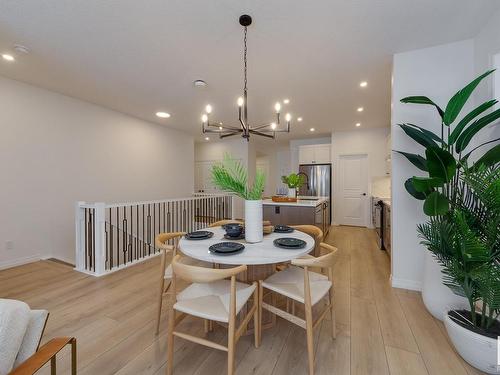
(170, 339)
(332, 313)
(73, 357)
(256, 320)
(230, 351)
(261, 298)
(309, 334)
(53, 366)
(160, 303)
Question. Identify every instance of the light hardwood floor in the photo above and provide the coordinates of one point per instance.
(380, 330)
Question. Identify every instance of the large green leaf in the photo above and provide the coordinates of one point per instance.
(417, 160)
(491, 157)
(422, 100)
(411, 190)
(428, 133)
(418, 136)
(436, 204)
(426, 184)
(440, 163)
(458, 100)
(468, 118)
(469, 133)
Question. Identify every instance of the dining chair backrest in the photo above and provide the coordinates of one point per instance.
(197, 274)
(314, 232)
(324, 261)
(162, 238)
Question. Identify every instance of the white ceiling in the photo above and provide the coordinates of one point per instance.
(139, 57)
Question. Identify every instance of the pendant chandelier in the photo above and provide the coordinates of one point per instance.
(244, 128)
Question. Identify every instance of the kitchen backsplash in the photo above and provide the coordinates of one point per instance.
(381, 187)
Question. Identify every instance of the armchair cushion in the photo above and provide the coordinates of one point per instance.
(14, 320)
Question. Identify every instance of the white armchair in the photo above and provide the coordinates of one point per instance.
(21, 331)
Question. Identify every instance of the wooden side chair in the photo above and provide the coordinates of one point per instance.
(300, 284)
(224, 222)
(165, 271)
(211, 297)
(21, 330)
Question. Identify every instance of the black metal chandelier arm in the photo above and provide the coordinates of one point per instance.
(219, 126)
(261, 134)
(229, 134)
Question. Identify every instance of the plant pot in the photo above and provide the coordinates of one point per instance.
(253, 221)
(292, 193)
(478, 350)
(437, 297)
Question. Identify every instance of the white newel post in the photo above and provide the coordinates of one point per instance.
(100, 238)
(79, 236)
(253, 221)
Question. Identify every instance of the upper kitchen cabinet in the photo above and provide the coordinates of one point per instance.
(314, 154)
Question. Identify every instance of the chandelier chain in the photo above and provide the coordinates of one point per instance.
(245, 59)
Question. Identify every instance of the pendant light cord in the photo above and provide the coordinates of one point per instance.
(245, 60)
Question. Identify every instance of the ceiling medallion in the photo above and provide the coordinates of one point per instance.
(266, 130)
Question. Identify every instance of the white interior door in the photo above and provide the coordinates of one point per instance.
(353, 189)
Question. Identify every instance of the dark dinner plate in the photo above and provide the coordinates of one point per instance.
(199, 235)
(283, 229)
(240, 237)
(289, 243)
(226, 248)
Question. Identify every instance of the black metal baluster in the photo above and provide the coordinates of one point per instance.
(148, 221)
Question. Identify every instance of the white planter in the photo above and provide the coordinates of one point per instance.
(437, 297)
(292, 193)
(479, 351)
(253, 221)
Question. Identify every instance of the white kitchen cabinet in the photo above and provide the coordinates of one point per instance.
(314, 154)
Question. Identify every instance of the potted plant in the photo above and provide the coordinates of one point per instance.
(461, 199)
(232, 177)
(294, 181)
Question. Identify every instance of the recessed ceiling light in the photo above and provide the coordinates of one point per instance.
(312, 129)
(299, 119)
(360, 109)
(358, 124)
(163, 114)
(7, 57)
(199, 83)
(363, 84)
(286, 101)
(207, 138)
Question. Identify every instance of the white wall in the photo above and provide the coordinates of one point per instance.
(437, 72)
(360, 141)
(56, 150)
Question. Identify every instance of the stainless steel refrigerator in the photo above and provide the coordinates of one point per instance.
(319, 182)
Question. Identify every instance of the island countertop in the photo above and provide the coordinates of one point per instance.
(301, 202)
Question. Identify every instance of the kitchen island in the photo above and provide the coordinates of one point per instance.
(307, 210)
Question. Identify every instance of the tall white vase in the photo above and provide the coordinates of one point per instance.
(253, 221)
(437, 297)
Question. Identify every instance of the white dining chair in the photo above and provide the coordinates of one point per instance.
(211, 297)
(301, 285)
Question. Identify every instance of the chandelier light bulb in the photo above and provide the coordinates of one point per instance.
(220, 127)
(240, 101)
(204, 118)
(208, 109)
(288, 117)
(277, 107)
(273, 125)
(299, 119)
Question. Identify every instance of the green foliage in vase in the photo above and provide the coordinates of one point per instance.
(232, 177)
(294, 180)
(462, 200)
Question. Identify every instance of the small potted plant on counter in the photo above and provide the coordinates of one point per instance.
(294, 181)
(462, 201)
(232, 177)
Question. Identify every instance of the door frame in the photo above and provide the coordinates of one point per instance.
(337, 192)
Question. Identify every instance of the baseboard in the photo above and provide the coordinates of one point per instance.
(406, 284)
(19, 262)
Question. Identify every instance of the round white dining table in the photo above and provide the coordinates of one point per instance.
(261, 253)
(260, 258)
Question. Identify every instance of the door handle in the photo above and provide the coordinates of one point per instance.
(363, 193)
